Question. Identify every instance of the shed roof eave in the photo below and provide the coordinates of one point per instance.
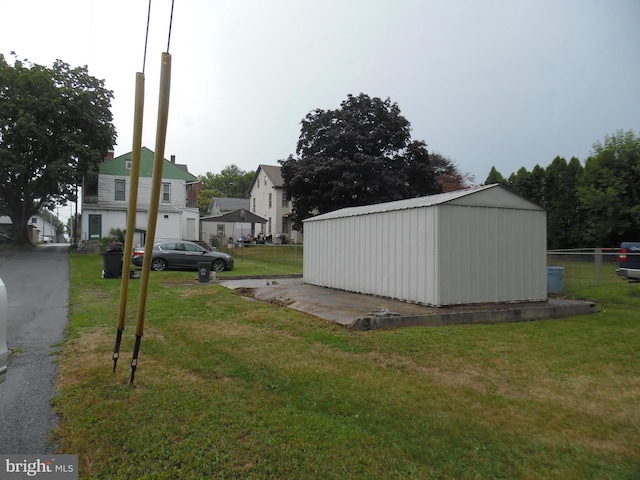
(418, 202)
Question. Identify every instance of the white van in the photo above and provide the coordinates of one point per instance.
(4, 313)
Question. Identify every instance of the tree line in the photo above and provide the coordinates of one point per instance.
(595, 204)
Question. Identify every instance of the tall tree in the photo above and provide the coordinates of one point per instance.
(530, 185)
(563, 203)
(54, 124)
(610, 190)
(358, 154)
(495, 177)
(231, 182)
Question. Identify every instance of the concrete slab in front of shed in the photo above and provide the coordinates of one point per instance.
(366, 312)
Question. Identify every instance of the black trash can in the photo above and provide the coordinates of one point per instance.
(112, 264)
(203, 272)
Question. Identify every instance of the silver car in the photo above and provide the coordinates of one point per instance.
(183, 254)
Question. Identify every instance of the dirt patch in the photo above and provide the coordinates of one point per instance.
(245, 292)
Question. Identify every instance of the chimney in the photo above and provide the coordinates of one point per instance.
(109, 155)
(173, 159)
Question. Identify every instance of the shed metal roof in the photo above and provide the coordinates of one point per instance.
(427, 201)
(237, 216)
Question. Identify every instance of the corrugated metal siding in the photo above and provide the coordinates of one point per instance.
(390, 254)
(437, 254)
(491, 255)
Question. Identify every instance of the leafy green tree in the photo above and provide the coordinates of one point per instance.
(54, 124)
(231, 182)
(564, 215)
(610, 190)
(531, 185)
(358, 154)
(495, 177)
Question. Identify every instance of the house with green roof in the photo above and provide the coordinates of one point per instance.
(105, 199)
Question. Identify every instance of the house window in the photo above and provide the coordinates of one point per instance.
(254, 204)
(34, 220)
(166, 193)
(221, 229)
(269, 231)
(285, 202)
(270, 200)
(127, 164)
(120, 184)
(285, 225)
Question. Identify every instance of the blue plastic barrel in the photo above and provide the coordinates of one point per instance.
(555, 280)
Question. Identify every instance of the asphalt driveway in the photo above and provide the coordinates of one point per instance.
(37, 283)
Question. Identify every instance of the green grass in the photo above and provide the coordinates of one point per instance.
(266, 259)
(228, 387)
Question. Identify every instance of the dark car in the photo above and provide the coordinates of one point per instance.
(182, 254)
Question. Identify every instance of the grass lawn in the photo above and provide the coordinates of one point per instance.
(266, 259)
(228, 387)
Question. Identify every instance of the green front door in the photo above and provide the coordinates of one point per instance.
(95, 226)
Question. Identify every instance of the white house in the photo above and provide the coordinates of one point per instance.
(479, 245)
(39, 229)
(105, 200)
(268, 201)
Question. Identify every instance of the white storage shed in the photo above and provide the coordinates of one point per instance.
(480, 245)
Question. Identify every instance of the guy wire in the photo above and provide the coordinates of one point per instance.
(146, 38)
(170, 25)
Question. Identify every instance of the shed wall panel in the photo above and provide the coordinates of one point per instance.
(491, 255)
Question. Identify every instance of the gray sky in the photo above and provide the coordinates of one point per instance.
(505, 83)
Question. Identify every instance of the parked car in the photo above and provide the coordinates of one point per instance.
(4, 313)
(629, 261)
(182, 254)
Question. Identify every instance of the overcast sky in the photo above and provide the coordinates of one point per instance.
(505, 83)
